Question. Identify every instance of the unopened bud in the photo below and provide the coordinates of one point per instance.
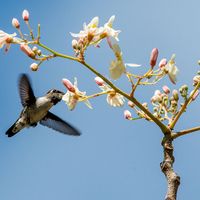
(153, 57)
(99, 81)
(164, 99)
(127, 114)
(131, 104)
(34, 66)
(39, 52)
(25, 15)
(175, 95)
(196, 79)
(166, 89)
(27, 50)
(15, 23)
(162, 63)
(157, 92)
(184, 91)
(34, 49)
(68, 85)
(74, 44)
(154, 99)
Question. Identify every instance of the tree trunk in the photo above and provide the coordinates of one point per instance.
(173, 180)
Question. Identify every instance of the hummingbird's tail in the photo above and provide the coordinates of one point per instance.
(10, 131)
(15, 128)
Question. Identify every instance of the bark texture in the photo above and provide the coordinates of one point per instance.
(173, 180)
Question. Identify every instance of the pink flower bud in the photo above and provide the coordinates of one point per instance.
(34, 66)
(153, 57)
(68, 85)
(99, 81)
(166, 89)
(27, 50)
(131, 104)
(25, 15)
(127, 114)
(162, 63)
(15, 23)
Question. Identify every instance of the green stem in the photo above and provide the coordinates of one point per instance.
(185, 132)
(94, 95)
(56, 53)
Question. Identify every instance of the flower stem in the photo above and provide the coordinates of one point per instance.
(94, 95)
(56, 54)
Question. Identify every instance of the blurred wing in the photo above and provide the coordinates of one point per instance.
(56, 123)
(25, 91)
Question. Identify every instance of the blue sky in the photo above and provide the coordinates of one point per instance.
(113, 158)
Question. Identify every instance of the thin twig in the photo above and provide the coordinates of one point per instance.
(185, 132)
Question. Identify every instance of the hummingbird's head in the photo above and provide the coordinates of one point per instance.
(55, 95)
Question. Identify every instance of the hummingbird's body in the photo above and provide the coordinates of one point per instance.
(37, 110)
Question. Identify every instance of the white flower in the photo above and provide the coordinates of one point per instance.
(115, 99)
(6, 39)
(90, 29)
(73, 95)
(70, 99)
(117, 68)
(172, 69)
(109, 31)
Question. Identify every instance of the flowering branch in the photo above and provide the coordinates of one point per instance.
(166, 104)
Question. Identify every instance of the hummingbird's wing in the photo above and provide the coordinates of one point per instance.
(56, 123)
(25, 90)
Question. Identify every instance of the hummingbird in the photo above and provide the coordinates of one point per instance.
(36, 110)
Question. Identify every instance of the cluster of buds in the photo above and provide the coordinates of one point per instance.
(92, 35)
(24, 41)
(165, 105)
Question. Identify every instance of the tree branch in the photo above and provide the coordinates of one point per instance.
(185, 132)
(173, 180)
